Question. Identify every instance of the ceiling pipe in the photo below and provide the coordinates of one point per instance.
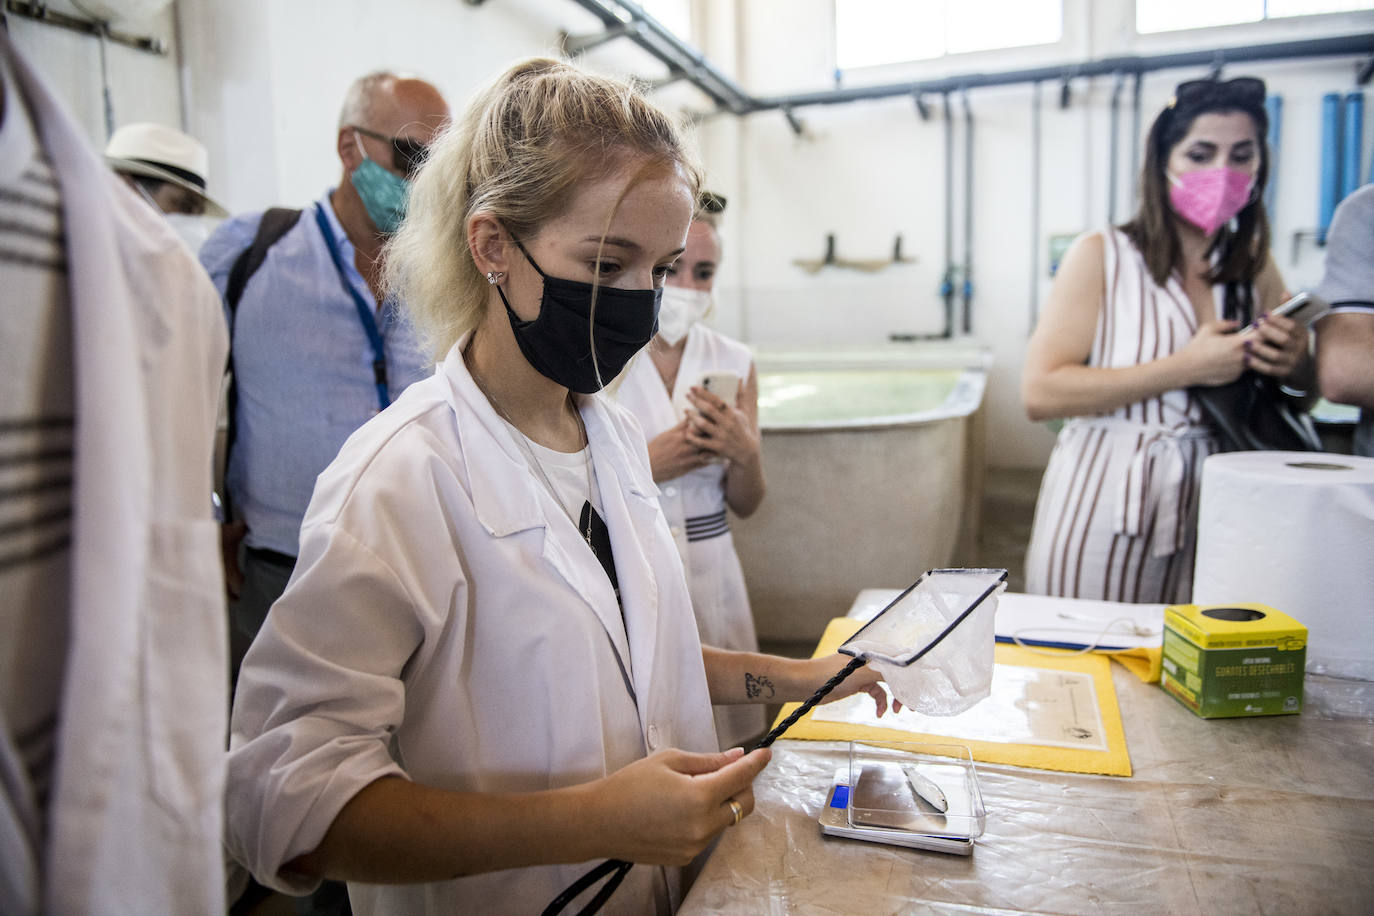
(650, 35)
(1285, 50)
(40, 12)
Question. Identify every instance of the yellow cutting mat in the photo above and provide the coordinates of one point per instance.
(1115, 761)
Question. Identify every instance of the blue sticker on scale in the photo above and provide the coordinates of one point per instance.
(840, 798)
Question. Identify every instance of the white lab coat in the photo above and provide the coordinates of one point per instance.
(135, 817)
(447, 623)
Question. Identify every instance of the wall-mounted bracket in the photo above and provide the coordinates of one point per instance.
(1365, 72)
(922, 106)
(674, 76)
(572, 45)
(1218, 63)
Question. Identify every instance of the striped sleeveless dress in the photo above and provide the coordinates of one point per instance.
(1116, 518)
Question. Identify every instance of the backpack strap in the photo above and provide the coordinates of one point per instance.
(274, 224)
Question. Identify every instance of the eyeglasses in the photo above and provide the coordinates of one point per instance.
(711, 202)
(1243, 90)
(407, 155)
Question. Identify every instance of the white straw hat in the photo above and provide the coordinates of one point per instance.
(163, 153)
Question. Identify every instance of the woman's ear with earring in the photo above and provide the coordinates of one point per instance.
(487, 244)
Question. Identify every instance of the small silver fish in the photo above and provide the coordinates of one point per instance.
(925, 788)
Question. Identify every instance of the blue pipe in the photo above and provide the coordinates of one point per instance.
(1274, 106)
(1331, 162)
(1353, 150)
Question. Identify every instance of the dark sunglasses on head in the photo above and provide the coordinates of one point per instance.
(1243, 90)
(407, 155)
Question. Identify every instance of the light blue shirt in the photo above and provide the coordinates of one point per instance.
(303, 367)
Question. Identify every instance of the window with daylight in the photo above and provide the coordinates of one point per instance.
(1175, 15)
(869, 33)
(673, 15)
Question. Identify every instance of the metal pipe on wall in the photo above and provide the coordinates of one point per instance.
(968, 214)
(1035, 207)
(183, 71)
(1353, 150)
(1135, 132)
(1331, 163)
(1112, 144)
(1274, 106)
(947, 281)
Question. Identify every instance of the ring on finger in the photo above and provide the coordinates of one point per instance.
(736, 810)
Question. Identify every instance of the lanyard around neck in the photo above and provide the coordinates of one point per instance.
(365, 312)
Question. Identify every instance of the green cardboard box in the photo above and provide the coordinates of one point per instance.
(1234, 660)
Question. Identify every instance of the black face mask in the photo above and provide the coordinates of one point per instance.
(556, 343)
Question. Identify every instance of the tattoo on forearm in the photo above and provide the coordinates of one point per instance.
(754, 687)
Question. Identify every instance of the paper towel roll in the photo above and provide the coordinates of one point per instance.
(1295, 531)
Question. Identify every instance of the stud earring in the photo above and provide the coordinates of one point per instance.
(494, 277)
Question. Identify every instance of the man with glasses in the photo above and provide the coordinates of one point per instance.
(315, 349)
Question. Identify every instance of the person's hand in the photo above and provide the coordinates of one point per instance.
(1215, 355)
(672, 454)
(1278, 346)
(231, 535)
(720, 428)
(865, 680)
(667, 807)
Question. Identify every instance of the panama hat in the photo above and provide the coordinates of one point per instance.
(163, 153)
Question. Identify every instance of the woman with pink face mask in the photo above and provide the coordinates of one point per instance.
(1137, 315)
(695, 393)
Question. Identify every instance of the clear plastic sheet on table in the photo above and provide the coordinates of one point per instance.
(1272, 814)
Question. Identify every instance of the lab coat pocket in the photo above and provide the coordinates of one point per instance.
(184, 651)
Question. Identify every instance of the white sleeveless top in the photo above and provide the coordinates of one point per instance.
(696, 498)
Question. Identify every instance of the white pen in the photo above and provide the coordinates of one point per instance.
(925, 788)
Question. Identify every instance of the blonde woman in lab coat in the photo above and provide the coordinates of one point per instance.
(484, 676)
(705, 452)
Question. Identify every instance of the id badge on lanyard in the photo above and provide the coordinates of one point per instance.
(365, 311)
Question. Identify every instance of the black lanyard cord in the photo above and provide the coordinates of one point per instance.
(621, 867)
(616, 868)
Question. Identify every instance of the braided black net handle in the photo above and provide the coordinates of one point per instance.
(617, 868)
(815, 698)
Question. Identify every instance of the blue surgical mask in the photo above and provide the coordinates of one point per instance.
(383, 194)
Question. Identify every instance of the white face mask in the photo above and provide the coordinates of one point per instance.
(193, 230)
(680, 309)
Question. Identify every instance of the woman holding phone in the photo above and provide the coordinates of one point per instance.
(1139, 314)
(697, 398)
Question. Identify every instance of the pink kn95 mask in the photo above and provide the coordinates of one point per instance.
(1208, 198)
